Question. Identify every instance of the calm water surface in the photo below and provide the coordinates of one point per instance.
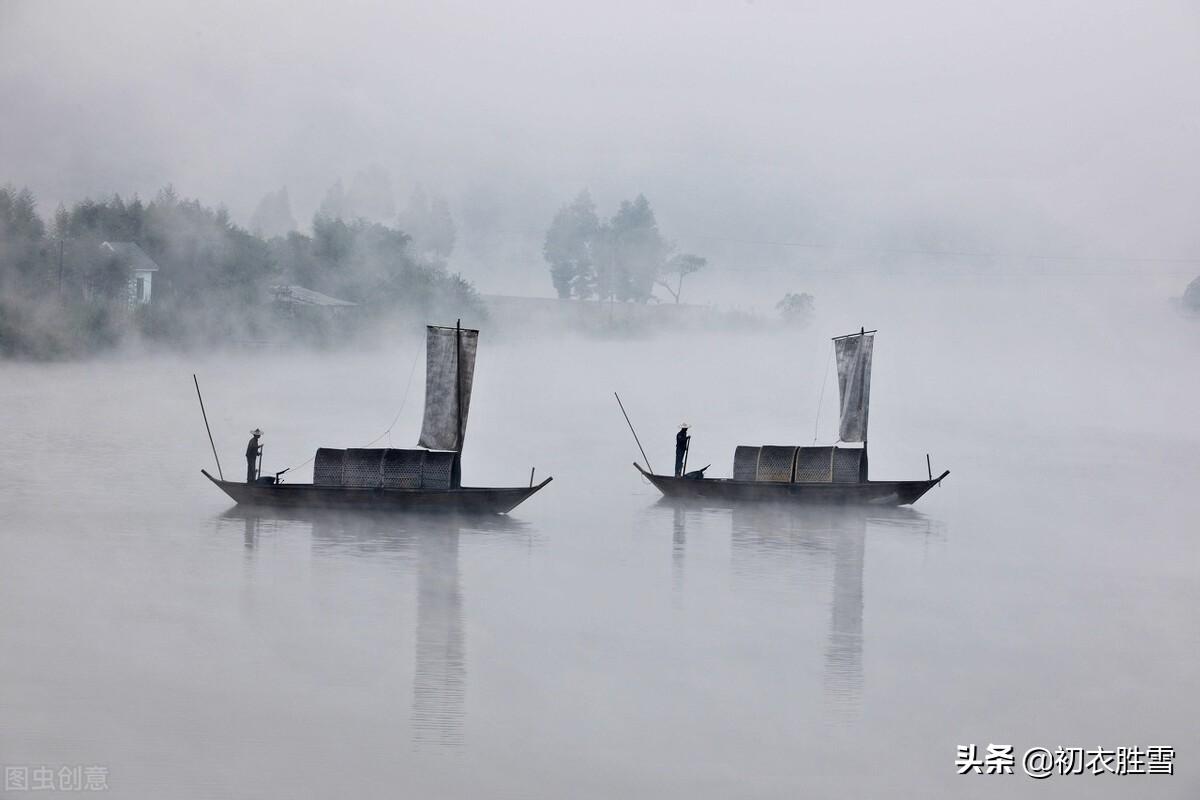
(600, 642)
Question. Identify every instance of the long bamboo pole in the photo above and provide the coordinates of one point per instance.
(210, 439)
(631, 430)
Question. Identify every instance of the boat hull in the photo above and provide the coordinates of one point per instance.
(464, 500)
(728, 491)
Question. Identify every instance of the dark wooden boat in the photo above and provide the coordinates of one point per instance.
(810, 475)
(391, 479)
(728, 491)
(464, 499)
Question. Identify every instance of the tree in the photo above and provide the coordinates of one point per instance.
(295, 257)
(795, 308)
(62, 221)
(681, 264)
(568, 247)
(166, 197)
(202, 255)
(620, 259)
(1191, 296)
(332, 241)
(604, 262)
(212, 273)
(428, 221)
(18, 215)
(23, 255)
(333, 204)
(638, 250)
(273, 216)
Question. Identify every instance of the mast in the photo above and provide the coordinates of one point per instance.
(458, 380)
(862, 462)
(862, 331)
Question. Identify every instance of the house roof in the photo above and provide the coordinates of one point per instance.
(131, 255)
(298, 295)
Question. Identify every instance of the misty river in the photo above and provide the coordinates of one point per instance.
(600, 642)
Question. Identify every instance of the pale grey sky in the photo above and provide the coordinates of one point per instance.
(1002, 126)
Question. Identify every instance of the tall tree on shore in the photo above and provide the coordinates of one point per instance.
(18, 214)
(638, 250)
(22, 254)
(569, 248)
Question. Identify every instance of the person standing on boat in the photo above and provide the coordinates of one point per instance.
(682, 440)
(253, 451)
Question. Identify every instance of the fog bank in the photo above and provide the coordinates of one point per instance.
(1010, 127)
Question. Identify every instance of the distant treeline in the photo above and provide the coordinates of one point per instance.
(623, 258)
(626, 258)
(63, 294)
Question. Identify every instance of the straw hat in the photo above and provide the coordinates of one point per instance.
(256, 432)
(684, 425)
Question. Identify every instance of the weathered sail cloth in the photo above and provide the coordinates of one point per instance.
(854, 385)
(446, 386)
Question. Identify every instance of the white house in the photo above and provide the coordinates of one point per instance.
(141, 270)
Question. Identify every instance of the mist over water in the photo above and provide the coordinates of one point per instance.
(600, 641)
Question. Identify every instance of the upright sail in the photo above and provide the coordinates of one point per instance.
(449, 370)
(854, 384)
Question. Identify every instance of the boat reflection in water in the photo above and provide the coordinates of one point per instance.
(678, 544)
(440, 678)
(431, 542)
(810, 545)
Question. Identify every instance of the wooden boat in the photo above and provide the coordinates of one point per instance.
(464, 499)
(727, 490)
(392, 479)
(810, 475)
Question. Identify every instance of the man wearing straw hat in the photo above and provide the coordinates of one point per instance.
(682, 440)
(253, 451)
